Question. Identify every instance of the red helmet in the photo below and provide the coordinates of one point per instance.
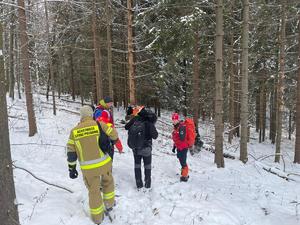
(175, 116)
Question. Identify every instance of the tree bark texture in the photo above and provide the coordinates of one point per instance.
(97, 55)
(219, 125)
(25, 63)
(244, 84)
(8, 210)
(297, 141)
(280, 88)
(131, 69)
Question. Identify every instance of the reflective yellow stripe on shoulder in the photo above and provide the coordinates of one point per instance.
(109, 130)
(86, 132)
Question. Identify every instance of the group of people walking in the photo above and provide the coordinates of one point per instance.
(92, 142)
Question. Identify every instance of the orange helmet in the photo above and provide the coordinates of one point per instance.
(137, 109)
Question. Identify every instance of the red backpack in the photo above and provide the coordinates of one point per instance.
(190, 131)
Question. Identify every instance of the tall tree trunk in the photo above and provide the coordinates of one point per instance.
(262, 111)
(297, 141)
(72, 74)
(50, 64)
(271, 113)
(25, 64)
(244, 84)
(196, 79)
(97, 55)
(257, 107)
(231, 89)
(290, 124)
(274, 112)
(280, 87)
(9, 210)
(219, 125)
(109, 47)
(18, 65)
(11, 59)
(237, 98)
(131, 70)
(5, 49)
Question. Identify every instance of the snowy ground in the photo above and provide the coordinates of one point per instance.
(238, 194)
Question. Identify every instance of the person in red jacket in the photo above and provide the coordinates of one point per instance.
(180, 143)
(110, 145)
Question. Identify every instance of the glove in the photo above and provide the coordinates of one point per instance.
(73, 173)
(174, 149)
(119, 146)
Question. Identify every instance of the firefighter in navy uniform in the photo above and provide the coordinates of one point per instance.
(95, 163)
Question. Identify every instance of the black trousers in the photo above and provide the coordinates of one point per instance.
(181, 155)
(138, 171)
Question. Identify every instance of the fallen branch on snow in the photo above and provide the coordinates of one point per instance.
(46, 182)
(265, 157)
(274, 171)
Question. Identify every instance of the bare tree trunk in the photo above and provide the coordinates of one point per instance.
(219, 125)
(257, 107)
(262, 111)
(273, 130)
(131, 70)
(109, 52)
(231, 89)
(48, 85)
(297, 141)
(196, 79)
(280, 82)
(244, 84)
(25, 64)
(9, 210)
(50, 59)
(72, 74)
(11, 59)
(237, 98)
(271, 114)
(18, 65)
(97, 55)
(264, 114)
(290, 125)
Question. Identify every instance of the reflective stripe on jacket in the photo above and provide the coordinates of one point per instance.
(83, 141)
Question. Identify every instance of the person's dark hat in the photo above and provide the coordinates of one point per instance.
(107, 99)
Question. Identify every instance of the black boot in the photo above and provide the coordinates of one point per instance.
(138, 177)
(184, 179)
(147, 178)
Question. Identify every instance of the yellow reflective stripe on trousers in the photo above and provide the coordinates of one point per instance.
(96, 211)
(78, 145)
(107, 196)
(92, 164)
(70, 142)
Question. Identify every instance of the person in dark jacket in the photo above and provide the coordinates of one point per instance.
(145, 152)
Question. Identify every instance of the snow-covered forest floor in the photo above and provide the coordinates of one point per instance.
(239, 194)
